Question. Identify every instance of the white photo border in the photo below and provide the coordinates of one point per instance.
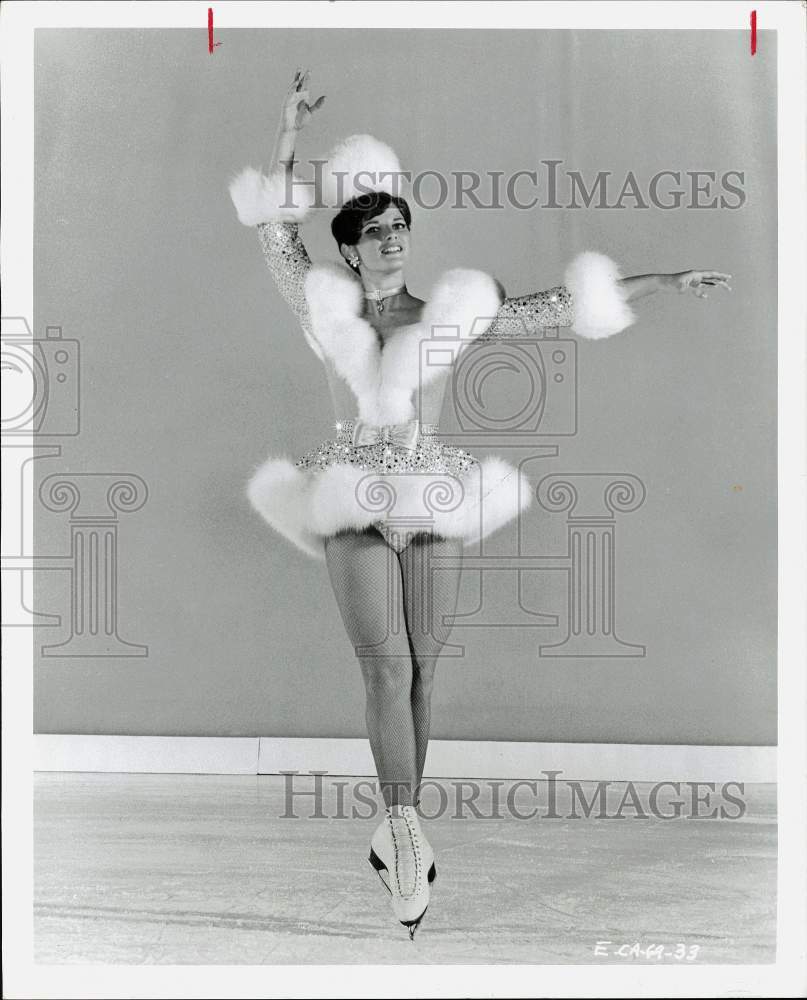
(785, 977)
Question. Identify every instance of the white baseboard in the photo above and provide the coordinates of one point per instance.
(447, 758)
(147, 754)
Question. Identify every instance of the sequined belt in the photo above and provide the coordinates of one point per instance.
(361, 434)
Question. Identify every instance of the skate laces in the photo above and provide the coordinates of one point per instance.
(407, 853)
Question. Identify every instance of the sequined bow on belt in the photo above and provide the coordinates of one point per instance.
(396, 435)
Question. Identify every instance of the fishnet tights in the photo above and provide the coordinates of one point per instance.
(392, 605)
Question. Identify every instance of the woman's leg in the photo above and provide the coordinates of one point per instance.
(430, 593)
(366, 579)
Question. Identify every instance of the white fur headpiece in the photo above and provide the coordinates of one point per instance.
(357, 165)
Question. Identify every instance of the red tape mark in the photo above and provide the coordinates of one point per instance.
(753, 32)
(210, 43)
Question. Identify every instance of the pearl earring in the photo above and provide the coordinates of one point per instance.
(354, 262)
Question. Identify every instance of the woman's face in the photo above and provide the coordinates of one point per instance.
(383, 245)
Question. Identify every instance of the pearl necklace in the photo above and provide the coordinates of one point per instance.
(379, 295)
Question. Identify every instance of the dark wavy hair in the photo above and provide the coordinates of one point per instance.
(346, 226)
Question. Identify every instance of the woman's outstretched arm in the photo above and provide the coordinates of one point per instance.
(524, 315)
(594, 299)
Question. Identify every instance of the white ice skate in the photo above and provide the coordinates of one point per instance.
(400, 851)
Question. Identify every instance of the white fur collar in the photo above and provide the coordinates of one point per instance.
(384, 377)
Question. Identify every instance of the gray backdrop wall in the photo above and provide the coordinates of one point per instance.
(193, 370)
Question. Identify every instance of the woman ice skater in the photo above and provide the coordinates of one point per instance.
(385, 499)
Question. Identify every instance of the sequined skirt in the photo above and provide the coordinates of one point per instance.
(398, 479)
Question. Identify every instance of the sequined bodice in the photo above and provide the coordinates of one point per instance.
(288, 262)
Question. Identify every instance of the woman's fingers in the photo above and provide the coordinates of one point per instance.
(317, 104)
(715, 278)
(302, 85)
(293, 87)
(699, 282)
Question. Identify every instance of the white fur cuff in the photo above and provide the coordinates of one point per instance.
(261, 198)
(600, 306)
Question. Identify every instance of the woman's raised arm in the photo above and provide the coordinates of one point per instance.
(276, 205)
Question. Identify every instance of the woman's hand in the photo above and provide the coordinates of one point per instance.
(639, 285)
(297, 111)
(698, 282)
